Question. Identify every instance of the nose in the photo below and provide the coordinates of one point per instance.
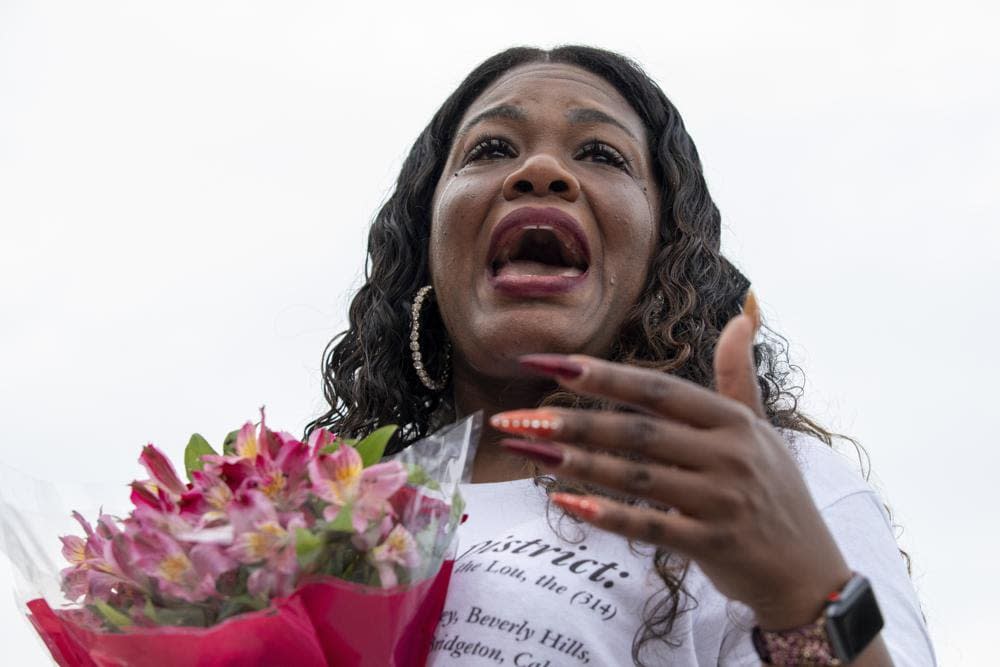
(541, 175)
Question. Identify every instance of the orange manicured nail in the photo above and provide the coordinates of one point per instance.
(580, 506)
(752, 309)
(539, 423)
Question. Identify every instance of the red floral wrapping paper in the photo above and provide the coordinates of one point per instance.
(324, 622)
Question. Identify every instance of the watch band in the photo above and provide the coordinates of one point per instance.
(850, 620)
(806, 645)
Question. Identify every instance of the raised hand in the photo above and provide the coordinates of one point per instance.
(720, 484)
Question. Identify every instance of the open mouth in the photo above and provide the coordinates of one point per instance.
(538, 242)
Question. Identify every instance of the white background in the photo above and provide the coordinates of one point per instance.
(185, 190)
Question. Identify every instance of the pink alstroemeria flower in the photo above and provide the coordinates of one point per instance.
(161, 471)
(208, 498)
(177, 519)
(283, 476)
(399, 548)
(83, 555)
(340, 479)
(261, 538)
(336, 477)
(148, 495)
(246, 449)
(162, 492)
(252, 441)
(184, 573)
(274, 462)
(247, 445)
(319, 440)
(99, 563)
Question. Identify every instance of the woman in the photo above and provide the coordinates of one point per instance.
(555, 206)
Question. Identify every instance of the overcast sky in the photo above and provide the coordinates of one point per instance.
(185, 189)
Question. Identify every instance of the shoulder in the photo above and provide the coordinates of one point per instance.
(830, 474)
(863, 530)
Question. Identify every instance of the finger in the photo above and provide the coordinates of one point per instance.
(648, 390)
(666, 486)
(735, 371)
(647, 437)
(669, 529)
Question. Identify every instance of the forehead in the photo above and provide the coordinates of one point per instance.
(557, 86)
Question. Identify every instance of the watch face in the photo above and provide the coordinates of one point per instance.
(853, 620)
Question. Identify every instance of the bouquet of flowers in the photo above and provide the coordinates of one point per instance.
(274, 552)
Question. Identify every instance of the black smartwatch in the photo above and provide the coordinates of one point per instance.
(849, 622)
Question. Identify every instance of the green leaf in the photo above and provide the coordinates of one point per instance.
(240, 604)
(426, 541)
(335, 445)
(111, 616)
(150, 611)
(373, 445)
(196, 448)
(457, 508)
(187, 615)
(342, 524)
(307, 547)
(417, 476)
(229, 444)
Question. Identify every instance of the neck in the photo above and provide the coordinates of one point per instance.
(474, 391)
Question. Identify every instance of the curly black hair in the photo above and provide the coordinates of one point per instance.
(691, 292)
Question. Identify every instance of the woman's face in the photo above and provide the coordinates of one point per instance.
(544, 220)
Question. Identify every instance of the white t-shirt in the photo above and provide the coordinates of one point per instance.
(526, 596)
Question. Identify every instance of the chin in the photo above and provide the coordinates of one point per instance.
(500, 340)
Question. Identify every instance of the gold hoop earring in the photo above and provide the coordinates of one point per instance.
(418, 359)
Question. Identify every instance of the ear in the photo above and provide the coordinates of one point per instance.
(735, 373)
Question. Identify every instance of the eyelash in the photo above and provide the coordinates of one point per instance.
(484, 144)
(592, 146)
(615, 158)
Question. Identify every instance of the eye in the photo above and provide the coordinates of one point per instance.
(490, 148)
(602, 153)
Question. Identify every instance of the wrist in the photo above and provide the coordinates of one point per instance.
(849, 622)
(802, 604)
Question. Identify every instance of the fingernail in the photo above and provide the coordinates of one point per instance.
(539, 423)
(544, 452)
(751, 309)
(579, 506)
(551, 365)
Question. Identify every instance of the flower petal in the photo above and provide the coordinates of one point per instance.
(246, 442)
(74, 549)
(212, 560)
(383, 479)
(161, 471)
(319, 439)
(386, 575)
(336, 477)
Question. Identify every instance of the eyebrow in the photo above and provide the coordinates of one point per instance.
(505, 111)
(590, 116)
(585, 116)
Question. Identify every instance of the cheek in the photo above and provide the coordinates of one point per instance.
(458, 211)
(447, 213)
(630, 236)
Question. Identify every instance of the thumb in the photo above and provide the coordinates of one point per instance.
(735, 373)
